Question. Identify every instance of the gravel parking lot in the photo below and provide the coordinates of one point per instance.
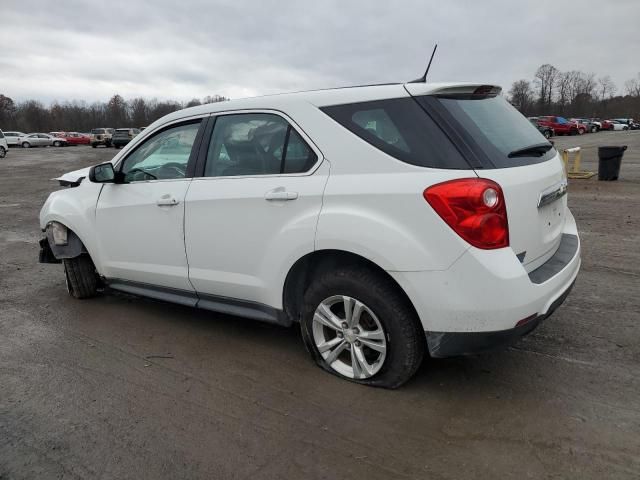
(123, 387)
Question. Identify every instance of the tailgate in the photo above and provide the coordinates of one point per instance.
(536, 208)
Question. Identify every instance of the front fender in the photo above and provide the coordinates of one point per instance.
(75, 208)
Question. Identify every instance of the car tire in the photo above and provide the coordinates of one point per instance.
(594, 129)
(93, 145)
(57, 144)
(81, 276)
(26, 145)
(547, 134)
(625, 128)
(387, 322)
(581, 131)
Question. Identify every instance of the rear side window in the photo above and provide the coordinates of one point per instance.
(256, 144)
(400, 128)
(492, 128)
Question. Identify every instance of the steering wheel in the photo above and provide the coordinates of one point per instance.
(175, 167)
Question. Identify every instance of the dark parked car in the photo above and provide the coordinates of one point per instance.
(591, 126)
(543, 129)
(122, 136)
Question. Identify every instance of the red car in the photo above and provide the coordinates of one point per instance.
(562, 126)
(75, 138)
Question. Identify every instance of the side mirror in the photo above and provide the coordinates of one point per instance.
(103, 173)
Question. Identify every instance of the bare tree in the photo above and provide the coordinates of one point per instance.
(7, 110)
(632, 86)
(194, 102)
(521, 95)
(545, 79)
(606, 87)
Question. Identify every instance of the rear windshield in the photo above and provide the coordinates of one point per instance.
(98, 131)
(400, 128)
(492, 127)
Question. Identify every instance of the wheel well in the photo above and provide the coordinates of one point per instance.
(306, 268)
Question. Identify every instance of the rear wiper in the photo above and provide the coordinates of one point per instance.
(538, 150)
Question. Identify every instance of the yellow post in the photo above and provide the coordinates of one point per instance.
(573, 171)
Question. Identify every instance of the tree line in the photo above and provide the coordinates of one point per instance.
(78, 116)
(575, 94)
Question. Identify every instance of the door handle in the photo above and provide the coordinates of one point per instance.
(280, 194)
(167, 201)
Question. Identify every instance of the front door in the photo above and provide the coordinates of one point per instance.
(254, 211)
(140, 221)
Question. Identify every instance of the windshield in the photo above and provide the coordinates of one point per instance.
(493, 128)
(98, 131)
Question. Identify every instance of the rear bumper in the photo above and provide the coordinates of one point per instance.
(452, 344)
(486, 295)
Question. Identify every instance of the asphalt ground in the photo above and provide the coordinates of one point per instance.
(123, 387)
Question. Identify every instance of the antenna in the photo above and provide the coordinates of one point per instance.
(423, 79)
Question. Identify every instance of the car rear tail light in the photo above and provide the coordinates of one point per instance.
(474, 208)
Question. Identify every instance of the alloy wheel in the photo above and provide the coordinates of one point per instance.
(349, 337)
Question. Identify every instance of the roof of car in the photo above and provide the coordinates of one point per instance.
(326, 97)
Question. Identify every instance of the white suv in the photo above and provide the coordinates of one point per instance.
(389, 221)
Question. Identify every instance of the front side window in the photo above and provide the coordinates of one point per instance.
(256, 144)
(164, 156)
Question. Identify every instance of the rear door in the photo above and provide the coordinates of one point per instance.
(254, 209)
(532, 179)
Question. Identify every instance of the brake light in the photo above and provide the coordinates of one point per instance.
(474, 208)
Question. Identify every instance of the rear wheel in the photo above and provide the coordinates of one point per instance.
(57, 144)
(357, 325)
(81, 276)
(26, 145)
(594, 129)
(547, 134)
(3, 152)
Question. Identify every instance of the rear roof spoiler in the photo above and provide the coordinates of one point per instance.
(461, 90)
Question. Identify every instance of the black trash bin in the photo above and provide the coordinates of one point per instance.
(609, 160)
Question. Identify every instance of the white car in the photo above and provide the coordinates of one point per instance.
(13, 138)
(391, 222)
(42, 140)
(617, 125)
(4, 146)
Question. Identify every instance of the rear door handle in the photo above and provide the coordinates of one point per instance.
(167, 201)
(280, 194)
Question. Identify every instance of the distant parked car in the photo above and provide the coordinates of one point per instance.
(592, 127)
(13, 138)
(122, 136)
(626, 121)
(42, 140)
(562, 126)
(101, 136)
(75, 138)
(634, 126)
(4, 147)
(617, 126)
(543, 129)
(597, 122)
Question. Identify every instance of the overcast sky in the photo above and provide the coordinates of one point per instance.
(88, 50)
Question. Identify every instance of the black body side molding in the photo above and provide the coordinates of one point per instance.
(226, 305)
